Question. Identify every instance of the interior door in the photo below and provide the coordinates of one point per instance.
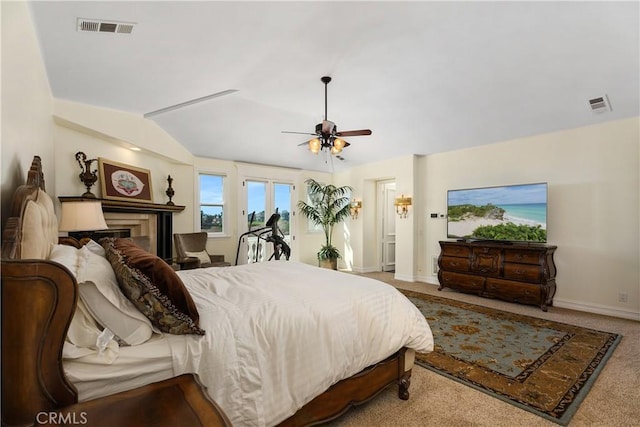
(387, 228)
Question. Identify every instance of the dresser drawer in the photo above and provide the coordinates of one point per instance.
(454, 264)
(523, 257)
(462, 282)
(523, 272)
(514, 291)
(486, 261)
(456, 250)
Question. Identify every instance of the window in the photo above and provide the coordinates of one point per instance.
(212, 203)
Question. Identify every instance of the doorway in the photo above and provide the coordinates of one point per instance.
(262, 199)
(386, 191)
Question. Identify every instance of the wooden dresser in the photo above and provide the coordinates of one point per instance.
(517, 272)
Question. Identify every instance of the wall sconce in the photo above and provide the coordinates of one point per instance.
(355, 207)
(402, 205)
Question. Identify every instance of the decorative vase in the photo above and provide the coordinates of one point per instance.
(170, 193)
(87, 176)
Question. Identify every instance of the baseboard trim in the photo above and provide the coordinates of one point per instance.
(404, 278)
(365, 270)
(431, 280)
(597, 309)
(605, 310)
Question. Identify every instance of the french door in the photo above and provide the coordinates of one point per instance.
(263, 198)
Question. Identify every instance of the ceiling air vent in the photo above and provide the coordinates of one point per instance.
(600, 105)
(95, 25)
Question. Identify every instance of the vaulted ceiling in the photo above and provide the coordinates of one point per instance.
(425, 77)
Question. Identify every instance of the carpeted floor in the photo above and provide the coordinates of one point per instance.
(539, 365)
(614, 399)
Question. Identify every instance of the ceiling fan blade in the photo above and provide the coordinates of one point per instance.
(354, 132)
(303, 143)
(327, 126)
(187, 103)
(299, 133)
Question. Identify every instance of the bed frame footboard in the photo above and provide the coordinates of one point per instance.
(357, 389)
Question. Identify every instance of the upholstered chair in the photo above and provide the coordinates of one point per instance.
(195, 245)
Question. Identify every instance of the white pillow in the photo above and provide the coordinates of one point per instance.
(83, 330)
(67, 256)
(129, 329)
(96, 248)
(203, 256)
(82, 338)
(96, 269)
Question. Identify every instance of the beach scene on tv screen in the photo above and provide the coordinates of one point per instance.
(515, 212)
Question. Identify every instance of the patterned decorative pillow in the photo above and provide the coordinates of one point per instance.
(153, 287)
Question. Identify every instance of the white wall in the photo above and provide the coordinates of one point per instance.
(27, 125)
(593, 206)
(310, 240)
(69, 141)
(360, 241)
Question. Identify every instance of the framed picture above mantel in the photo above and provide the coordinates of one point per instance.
(124, 182)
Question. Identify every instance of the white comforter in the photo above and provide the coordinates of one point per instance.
(279, 333)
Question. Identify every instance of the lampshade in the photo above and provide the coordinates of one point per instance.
(339, 144)
(82, 216)
(402, 201)
(314, 145)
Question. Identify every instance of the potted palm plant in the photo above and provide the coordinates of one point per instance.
(329, 206)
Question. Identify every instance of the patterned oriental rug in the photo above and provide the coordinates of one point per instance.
(539, 365)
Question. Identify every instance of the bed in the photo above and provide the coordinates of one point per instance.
(274, 343)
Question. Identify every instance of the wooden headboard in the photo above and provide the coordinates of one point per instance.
(32, 226)
(38, 301)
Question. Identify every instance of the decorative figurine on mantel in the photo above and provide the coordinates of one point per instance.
(170, 191)
(88, 177)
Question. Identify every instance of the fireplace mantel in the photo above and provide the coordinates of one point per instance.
(163, 214)
(109, 205)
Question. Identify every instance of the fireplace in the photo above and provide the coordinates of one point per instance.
(138, 224)
(151, 220)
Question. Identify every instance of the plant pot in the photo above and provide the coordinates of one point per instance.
(330, 263)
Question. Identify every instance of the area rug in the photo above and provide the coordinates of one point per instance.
(539, 365)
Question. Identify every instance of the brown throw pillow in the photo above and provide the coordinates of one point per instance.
(153, 287)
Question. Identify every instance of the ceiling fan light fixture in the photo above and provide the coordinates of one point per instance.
(328, 138)
(314, 145)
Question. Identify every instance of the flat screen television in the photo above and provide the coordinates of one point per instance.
(511, 213)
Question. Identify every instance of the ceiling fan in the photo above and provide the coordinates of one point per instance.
(326, 136)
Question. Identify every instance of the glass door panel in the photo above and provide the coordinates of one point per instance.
(282, 194)
(263, 199)
(256, 210)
